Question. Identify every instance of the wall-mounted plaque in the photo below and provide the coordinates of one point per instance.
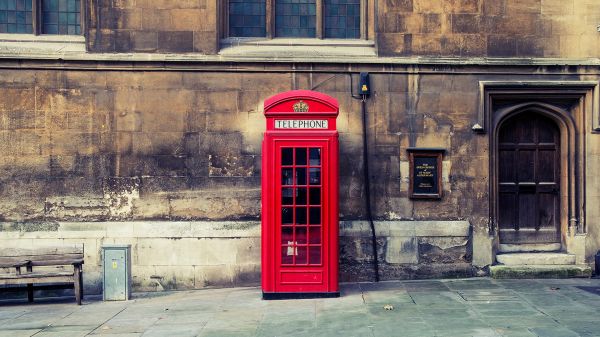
(425, 173)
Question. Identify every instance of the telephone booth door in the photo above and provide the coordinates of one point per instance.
(300, 221)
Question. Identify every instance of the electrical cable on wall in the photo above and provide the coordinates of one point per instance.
(364, 90)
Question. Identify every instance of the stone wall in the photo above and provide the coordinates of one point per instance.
(492, 28)
(178, 255)
(114, 143)
(150, 26)
(455, 28)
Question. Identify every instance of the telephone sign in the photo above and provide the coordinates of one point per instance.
(300, 196)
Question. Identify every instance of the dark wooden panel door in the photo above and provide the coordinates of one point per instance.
(529, 180)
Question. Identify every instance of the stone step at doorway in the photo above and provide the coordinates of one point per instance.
(538, 264)
(529, 247)
(540, 271)
(517, 259)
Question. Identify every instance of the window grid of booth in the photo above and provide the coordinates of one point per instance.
(301, 205)
(41, 17)
(336, 19)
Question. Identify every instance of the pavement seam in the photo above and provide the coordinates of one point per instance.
(101, 324)
(51, 324)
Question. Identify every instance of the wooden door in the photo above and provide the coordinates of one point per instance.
(529, 180)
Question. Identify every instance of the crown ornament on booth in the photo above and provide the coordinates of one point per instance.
(300, 106)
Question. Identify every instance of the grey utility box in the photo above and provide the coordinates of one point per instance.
(116, 273)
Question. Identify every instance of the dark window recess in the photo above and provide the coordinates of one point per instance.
(61, 17)
(247, 18)
(342, 19)
(16, 16)
(295, 18)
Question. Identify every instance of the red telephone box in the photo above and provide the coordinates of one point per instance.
(300, 196)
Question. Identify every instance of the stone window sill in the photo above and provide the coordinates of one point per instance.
(296, 48)
(41, 44)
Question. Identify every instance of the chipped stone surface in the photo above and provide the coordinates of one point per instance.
(444, 250)
(230, 166)
(401, 250)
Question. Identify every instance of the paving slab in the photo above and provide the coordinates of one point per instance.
(464, 307)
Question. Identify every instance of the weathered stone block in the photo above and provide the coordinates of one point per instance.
(399, 5)
(151, 208)
(231, 165)
(176, 42)
(466, 23)
(214, 276)
(206, 42)
(461, 6)
(443, 250)
(144, 41)
(402, 250)
(426, 6)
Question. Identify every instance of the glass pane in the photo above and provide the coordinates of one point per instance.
(61, 17)
(286, 176)
(15, 16)
(301, 257)
(315, 254)
(247, 18)
(301, 196)
(315, 157)
(301, 215)
(342, 19)
(315, 235)
(287, 196)
(315, 176)
(286, 235)
(315, 215)
(301, 237)
(287, 156)
(315, 196)
(287, 254)
(295, 18)
(300, 176)
(287, 215)
(300, 156)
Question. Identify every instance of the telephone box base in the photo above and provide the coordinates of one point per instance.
(293, 296)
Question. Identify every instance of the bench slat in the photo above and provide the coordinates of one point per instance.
(47, 279)
(36, 275)
(41, 251)
(44, 256)
(41, 260)
(11, 263)
(56, 262)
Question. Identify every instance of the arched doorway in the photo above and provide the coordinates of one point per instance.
(529, 171)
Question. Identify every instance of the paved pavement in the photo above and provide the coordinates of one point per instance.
(466, 307)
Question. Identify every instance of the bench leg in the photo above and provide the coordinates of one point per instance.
(77, 284)
(30, 286)
(30, 292)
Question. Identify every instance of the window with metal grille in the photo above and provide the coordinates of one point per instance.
(335, 19)
(41, 17)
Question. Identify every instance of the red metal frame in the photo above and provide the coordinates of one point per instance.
(299, 229)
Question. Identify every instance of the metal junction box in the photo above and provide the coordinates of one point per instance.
(116, 276)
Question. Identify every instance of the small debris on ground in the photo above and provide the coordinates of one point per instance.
(388, 307)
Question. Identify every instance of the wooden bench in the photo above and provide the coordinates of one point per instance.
(56, 267)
